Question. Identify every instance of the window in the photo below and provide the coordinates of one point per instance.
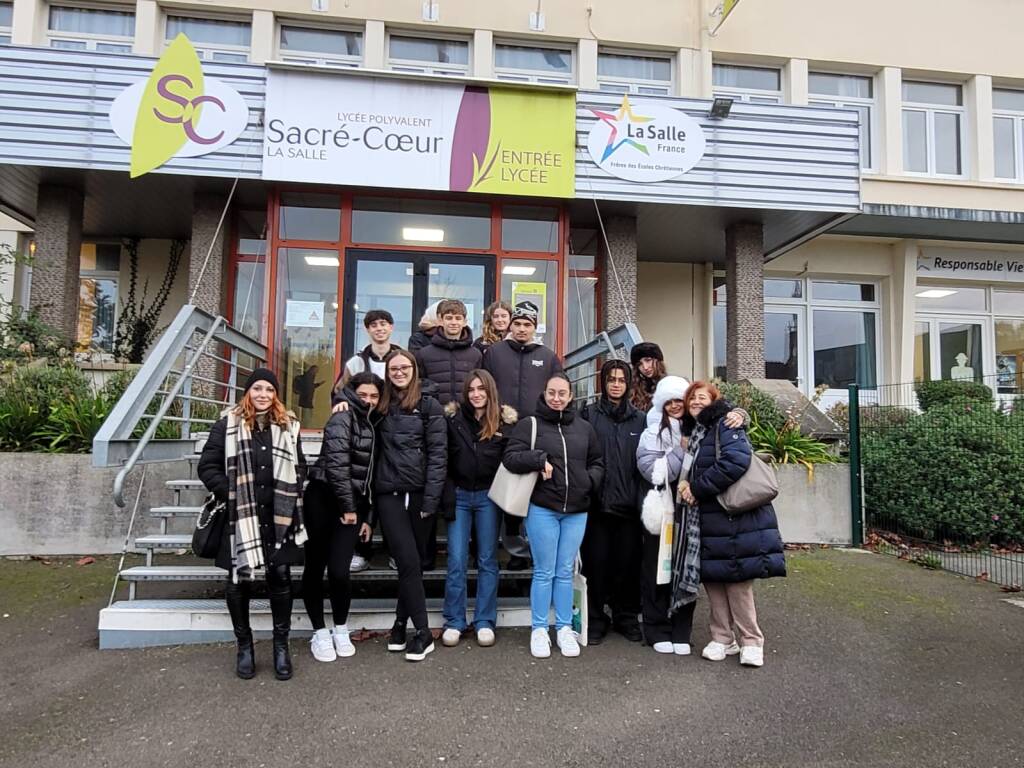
(1008, 129)
(534, 280)
(328, 47)
(6, 16)
(91, 29)
(250, 274)
(444, 224)
(529, 228)
(533, 64)
(99, 267)
(631, 73)
(436, 56)
(849, 92)
(758, 85)
(933, 128)
(310, 216)
(214, 39)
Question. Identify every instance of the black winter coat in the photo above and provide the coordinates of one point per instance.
(619, 429)
(572, 448)
(472, 462)
(448, 362)
(420, 339)
(521, 371)
(413, 452)
(347, 454)
(212, 470)
(736, 547)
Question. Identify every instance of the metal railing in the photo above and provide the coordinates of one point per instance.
(582, 364)
(190, 376)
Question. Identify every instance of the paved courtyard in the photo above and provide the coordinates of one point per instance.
(870, 662)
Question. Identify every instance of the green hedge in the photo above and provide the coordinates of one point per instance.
(952, 473)
(761, 407)
(28, 396)
(931, 394)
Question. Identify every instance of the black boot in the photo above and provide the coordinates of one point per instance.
(281, 611)
(237, 599)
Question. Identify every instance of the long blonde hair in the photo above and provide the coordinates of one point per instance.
(491, 336)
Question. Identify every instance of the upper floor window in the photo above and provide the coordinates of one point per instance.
(758, 85)
(91, 29)
(933, 128)
(6, 15)
(629, 73)
(1008, 127)
(315, 45)
(849, 92)
(436, 56)
(213, 39)
(533, 63)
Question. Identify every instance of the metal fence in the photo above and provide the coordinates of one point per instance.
(943, 475)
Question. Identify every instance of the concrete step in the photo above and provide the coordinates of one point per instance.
(184, 540)
(185, 485)
(148, 623)
(173, 511)
(152, 573)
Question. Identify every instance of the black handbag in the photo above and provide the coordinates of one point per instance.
(209, 528)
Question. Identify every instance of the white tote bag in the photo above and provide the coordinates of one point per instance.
(664, 561)
(512, 492)
(580, 611)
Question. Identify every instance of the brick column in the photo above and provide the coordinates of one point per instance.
(744, 282)
(206, 211)
(619, 305)
(57, 258)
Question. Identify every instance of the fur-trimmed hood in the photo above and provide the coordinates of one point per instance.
(711, 414)
(507, 413)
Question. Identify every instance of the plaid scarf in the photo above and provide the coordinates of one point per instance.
(686, 548)
(247, 546)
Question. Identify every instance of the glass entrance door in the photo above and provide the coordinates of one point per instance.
(405, 284)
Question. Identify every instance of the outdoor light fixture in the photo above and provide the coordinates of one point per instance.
(323, 261)
(509, 269)
(721, 107)
(423, 235)
(935, 293)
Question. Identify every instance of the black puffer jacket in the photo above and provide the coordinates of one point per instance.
(472, 462)
(421, 339)
(413, 455)
(348, 452)
(572, 448)
(618, 428)
(447, 363)
(521, 371)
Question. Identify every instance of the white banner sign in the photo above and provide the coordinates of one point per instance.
(304, 314)
(970, 265)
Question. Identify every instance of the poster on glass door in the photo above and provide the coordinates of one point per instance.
(330, 128)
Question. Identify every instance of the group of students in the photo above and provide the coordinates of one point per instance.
(420, 433)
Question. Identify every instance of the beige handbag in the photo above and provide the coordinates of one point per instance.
(512, 492)
(757, 487)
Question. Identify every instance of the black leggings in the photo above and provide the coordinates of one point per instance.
(407, 535)
(330, 544)
(611, 562)
(659, 627)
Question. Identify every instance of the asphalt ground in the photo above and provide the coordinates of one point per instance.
(870, 661)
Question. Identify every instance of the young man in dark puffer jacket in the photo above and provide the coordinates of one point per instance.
(450, 356)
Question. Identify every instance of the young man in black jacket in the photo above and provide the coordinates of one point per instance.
(450, 356)
(612, 545)
(521, 368)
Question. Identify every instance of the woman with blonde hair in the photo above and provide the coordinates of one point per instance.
(253, 463)
(497, 319)
(428, 325)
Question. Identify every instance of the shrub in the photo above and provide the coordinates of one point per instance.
(73, 423)
(953, 473)
(753, 401)
(788, 445)
(27, 396)
(931, 394)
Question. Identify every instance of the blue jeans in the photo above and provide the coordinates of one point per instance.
(472, 508)
(555, 539)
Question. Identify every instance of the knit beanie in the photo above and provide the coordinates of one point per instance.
(645, 349)
(526, 310)
(262, 374)
(669, 388)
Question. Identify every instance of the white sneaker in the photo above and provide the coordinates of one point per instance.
(343, 643)
(485, 637)
(450, 638)
(359, 563)
(322, 646)
(540, 644)
(715, 651)
(681, 649)
(665, 647)
(752, 656)
(567, 642)
(392, 564)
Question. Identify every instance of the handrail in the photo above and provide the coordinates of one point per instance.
(612, 345)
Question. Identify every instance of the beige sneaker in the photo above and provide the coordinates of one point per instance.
(450, 638)
(714, 651)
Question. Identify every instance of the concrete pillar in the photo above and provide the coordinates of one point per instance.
(28, 22)
(586, 60)
(903, 303)
(483, 53)
(689, 74)
(147, 28)
(263, 43)
(980, 155)
(206, 212)
(374, 55)
(795, 82)
(890, 106)
(744, 309)
(57, 258)
(619, 272)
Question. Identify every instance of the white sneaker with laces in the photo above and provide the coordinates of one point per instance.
(715, 651)
(485, 637)
(359, 563)
(343, 643)
(322, 646)
(752, 656)
(450, 638)
(681, 649)
(567, 642)
(663, 647)
(540, 644)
